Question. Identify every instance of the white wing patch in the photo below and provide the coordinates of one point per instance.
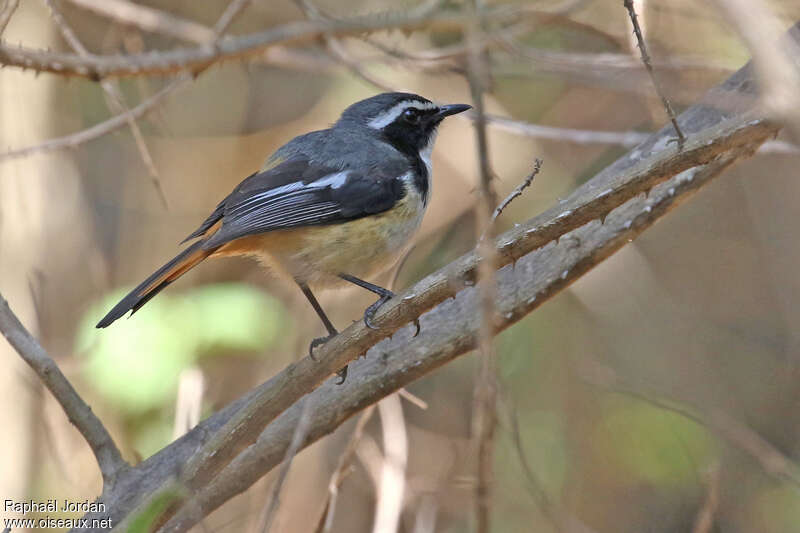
(389, 116)
(334, 180)
(282, 197)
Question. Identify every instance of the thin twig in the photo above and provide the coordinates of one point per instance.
(198, 58)
(343, 466)
(775, 58)
(149, 19)
(590, 137)
(338, 51)
(704, 522)
(233, 10)
(117, 104)
(518, 190)
(9, 6)
(484, 421)
(78, 412)
(413, 399)
(98, 130)
(571, 135)
(153, 20)
(537, 166)
(649, 66)
(298, 438)
(112, 124)
(392, 477)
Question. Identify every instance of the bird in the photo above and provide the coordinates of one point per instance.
(330, 207)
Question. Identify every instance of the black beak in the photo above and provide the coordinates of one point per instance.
(452, 109)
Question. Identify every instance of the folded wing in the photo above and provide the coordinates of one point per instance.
(299, 193)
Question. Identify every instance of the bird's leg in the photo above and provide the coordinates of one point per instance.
(322, 316)
(385, 296)
(342, 373)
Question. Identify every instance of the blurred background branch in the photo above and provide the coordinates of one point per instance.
(78, 412)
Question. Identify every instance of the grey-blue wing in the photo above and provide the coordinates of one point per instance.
(299, 193)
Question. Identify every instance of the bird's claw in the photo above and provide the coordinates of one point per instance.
(369, 314)
(342, 375)
(319, 341)
(416, 325)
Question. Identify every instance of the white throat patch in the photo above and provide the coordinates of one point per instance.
(425, 153)
(389, 116)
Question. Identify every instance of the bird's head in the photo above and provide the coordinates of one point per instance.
(407, 121)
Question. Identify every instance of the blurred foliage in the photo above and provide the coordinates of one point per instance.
(135, 363)
(777, 510)
(652, 445)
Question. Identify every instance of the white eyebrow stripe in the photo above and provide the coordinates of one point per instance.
(387, 117)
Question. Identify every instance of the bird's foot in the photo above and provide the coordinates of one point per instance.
(342, 375)
(369, 314)
(416, 325)
(319, 341)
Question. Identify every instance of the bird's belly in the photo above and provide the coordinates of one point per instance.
(362, 247)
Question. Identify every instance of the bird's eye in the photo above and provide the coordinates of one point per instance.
(411, 116)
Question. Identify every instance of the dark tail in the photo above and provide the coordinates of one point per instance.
(182, 263)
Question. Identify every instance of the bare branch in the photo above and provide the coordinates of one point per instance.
(392, 474)
(518, 190)
(114, 123)
(413, 399)
(98, 130)
(775, 58)
(704, 522)
(78, 412)
(484, 418)
(325, 523)
(589, 137)
(199, 58)
(149, 19)
(649, 66)
(298, 437)
(233, 10)
(117, 104)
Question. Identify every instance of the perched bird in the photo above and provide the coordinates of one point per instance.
(331, 206)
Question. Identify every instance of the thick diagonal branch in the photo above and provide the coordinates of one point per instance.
(79, 413)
